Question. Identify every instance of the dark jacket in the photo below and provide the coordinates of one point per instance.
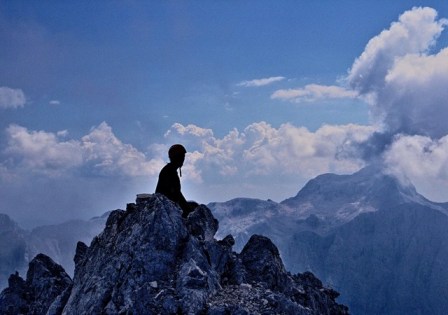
(169, 185)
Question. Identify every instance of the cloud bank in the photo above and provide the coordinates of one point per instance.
(252, 161)
(46, 178)
(262, 150)
(100, 151)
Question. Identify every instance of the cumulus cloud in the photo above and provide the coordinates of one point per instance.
(262, 150)
(403, 81)
(109, 155)
(314, 92)
(11, 98)
(100, 151)
(414, 100)
(47, 178)
(421, 160)
(259, 161)
(414, 33)
(260, 82)
(41, 151)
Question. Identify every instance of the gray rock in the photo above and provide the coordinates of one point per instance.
(150, 260)
(262, 262)
(45, 282)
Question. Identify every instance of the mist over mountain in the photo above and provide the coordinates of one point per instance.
(377, 241)
(12, 248)
(20, 246)
(59, 241)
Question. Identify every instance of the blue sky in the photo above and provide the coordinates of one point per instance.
(265, 95)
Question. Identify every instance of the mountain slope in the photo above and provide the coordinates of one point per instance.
(388, 262)
(340, 198)
(379, 243)
(242, 217)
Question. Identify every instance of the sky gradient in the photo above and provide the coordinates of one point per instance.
(264, 95)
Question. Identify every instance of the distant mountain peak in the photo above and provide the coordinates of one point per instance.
(340, 198)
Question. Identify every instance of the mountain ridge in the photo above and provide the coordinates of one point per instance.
(337, 225)
(150, 260)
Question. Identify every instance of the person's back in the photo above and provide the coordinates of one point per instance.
(169, 182)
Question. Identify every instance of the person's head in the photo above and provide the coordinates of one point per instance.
(177, 154)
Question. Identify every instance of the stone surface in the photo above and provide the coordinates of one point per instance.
(150, 260)
(45, 282)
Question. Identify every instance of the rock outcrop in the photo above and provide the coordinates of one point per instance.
(46, 283)
(149, 260)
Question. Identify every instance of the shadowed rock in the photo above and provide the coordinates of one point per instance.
(45, 282)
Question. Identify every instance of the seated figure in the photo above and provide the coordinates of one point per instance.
(169, 182)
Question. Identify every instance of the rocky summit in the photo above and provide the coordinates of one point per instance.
(150, 260)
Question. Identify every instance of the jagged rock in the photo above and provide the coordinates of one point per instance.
(15, 299)
(135, 249)
(45, 282)
(150, 260)
(262, 262)
(202, 224)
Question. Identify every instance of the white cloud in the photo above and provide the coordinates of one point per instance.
(46, 178)
(415, 33)
(100, 151)
(41, 151)
(260, 82)
(55, 102)
(406, 85)
(423, 161)
(111, 156)
(11, 98)
(314, 92)
(415, 98)
(190, 130)
(261, 149)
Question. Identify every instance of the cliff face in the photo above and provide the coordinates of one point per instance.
(149, 260)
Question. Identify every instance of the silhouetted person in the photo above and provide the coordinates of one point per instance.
(169, 182)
